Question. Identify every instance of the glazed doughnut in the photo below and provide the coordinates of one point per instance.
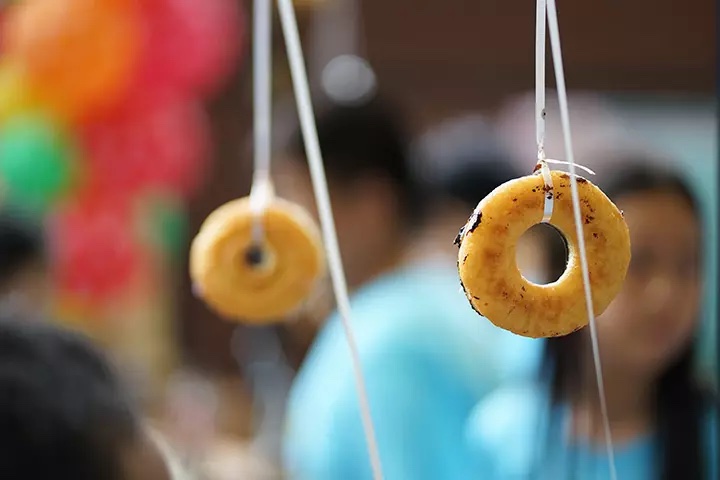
(242, 280)
(489, 274)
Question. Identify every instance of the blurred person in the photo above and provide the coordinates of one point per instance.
(427, 357)
(374, 196)
(458, 163)
(24, 275)
(64, 413)
(664, 423)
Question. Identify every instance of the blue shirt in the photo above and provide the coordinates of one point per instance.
(427, 358)
(514, 434)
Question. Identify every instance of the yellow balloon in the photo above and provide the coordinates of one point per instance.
(15, 96)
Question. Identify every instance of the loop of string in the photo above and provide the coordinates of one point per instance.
(262, 189)
(565, 120)
(322, 197)
(547, 191)
(543, 168)
(563, 162)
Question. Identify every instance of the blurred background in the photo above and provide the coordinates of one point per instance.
(119, 148)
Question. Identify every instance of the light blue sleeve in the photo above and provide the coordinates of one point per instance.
(427, 359)
(419, 410)
(419, 417)
(501, 432)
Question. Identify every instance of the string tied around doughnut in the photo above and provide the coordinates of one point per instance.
(543, 169)
(487, 267)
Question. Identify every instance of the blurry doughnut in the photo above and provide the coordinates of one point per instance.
(256, 283)
(489, 274)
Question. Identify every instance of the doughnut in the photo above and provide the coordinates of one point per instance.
(487, 267)
(250, 281)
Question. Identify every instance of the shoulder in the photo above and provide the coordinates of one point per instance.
(404, 313)
(504, 426)
(408, 362)
(323, 437)
(506, 412)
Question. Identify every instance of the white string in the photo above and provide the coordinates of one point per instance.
(540, 22)
(262, 188)
(565, 119)
(547, 192)
(172, 460)
(322, 197)
(563, 162)
(543, 169)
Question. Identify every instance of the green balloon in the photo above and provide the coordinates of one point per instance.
(170, 226)
(36, 161)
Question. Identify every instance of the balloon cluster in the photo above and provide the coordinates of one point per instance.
(101, 108)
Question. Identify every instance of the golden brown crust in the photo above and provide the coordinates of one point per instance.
(489, 273)
(291, 266)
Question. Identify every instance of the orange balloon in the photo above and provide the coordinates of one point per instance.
(78, 55)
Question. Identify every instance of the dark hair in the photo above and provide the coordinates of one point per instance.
(362, 141)
(63, 412)
(476, 180)
(21, 245)
(461, 159)
(680, 402)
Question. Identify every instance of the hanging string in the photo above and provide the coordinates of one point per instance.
(262, 188)
(540, 22)
(565, 120)
(322, 197)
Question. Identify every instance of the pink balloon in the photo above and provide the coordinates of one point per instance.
(165, 147)
(191, 47)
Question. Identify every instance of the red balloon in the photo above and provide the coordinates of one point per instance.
(191, 46)
(94, 251)
(163, 148)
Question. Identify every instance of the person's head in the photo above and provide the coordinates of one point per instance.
(63, 411)
(651, 322)
(24, 280)
(373, 194)
(646, 334)
(458, 163)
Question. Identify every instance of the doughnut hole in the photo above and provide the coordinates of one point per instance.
(260, 258)
(542, 254)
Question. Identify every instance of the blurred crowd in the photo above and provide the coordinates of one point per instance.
(452, 397)
(123, 123)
